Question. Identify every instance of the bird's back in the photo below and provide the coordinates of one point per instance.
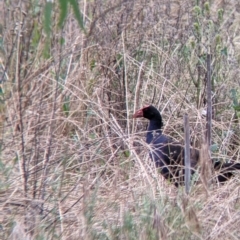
(168, 155)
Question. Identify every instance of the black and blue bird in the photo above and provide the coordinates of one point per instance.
(168, 155)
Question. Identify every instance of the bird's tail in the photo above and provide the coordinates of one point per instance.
(226, 170)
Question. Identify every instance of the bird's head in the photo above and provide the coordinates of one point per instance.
(149, 112)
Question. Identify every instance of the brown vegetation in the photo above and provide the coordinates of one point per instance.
(71, 163)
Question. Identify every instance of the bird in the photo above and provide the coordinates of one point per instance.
(168, 154)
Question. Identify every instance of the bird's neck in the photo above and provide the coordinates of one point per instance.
(154, 130)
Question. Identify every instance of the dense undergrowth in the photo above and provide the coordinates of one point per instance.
(73, 163)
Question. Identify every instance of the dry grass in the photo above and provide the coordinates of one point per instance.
(73, 163)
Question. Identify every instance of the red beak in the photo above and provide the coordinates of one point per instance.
(138, 114)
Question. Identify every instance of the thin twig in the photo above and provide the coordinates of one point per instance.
(187, 160)
(209, 101)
